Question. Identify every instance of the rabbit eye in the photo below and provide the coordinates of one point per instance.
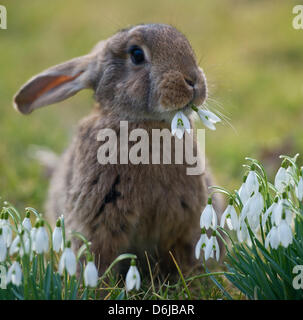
(136, 55)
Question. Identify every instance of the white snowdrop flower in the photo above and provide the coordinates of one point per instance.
(14, 274)
(179, 124)
(26, 244)
(255, 209)
(230, 216)
(6, 229)
(291, 172)
(15, 246)
(252, 182)
(243, 193)
(20, 246)
(33, 237)
(212, 247)
(68, 261)
(281, 209)
(242, 232)
(208, 118)
(133, 279)
(41, 239)
(299, 189)
(201, 244)
(3, 248)
(285, 234)
(269, 211)
(26, 223)
(208, 217)
(272, 238)
(91, 275)
(281, 178)
(57, 237)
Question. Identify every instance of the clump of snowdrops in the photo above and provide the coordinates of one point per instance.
(37, 262)
(264, 222)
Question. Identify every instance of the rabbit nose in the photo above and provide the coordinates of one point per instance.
(189, 82)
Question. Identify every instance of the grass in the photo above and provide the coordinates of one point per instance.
(251, 55)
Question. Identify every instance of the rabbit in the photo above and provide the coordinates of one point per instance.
(144, 75)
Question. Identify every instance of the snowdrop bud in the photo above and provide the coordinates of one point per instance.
(68, 261)
(41, 239)
(133, 279)
(91, 274)
(208, 217)
(57, 237)
(14, 274)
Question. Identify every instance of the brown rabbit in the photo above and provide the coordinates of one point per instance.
(143, 75)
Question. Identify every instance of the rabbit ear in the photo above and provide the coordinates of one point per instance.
(56, 84)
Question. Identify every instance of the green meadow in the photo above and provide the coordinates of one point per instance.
(251, 54)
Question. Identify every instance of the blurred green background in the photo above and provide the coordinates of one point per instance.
(252, 57)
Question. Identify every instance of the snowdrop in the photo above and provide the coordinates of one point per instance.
(33, 236)
(282, 178)
(208, 217)
(243, 192)
(252, 182)
(3, 248)
(19, 246)
(26, 223)
(255, 209)
(242, 233)
(230, 216)
(252, 210)
(179, 124)
(299, 189)
(91, 274)
(41, 239)
(15, 246)
(133, 279)
(14, 274)
(211, 247)
(68, 260)
(57, 237)
(201, 244)
(208, 118)
(272, 238)
(269, 211)
(279, 235)
(283, 207)
(6, 229)
(285, 233)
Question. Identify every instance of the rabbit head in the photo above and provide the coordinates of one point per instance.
(145, 72)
